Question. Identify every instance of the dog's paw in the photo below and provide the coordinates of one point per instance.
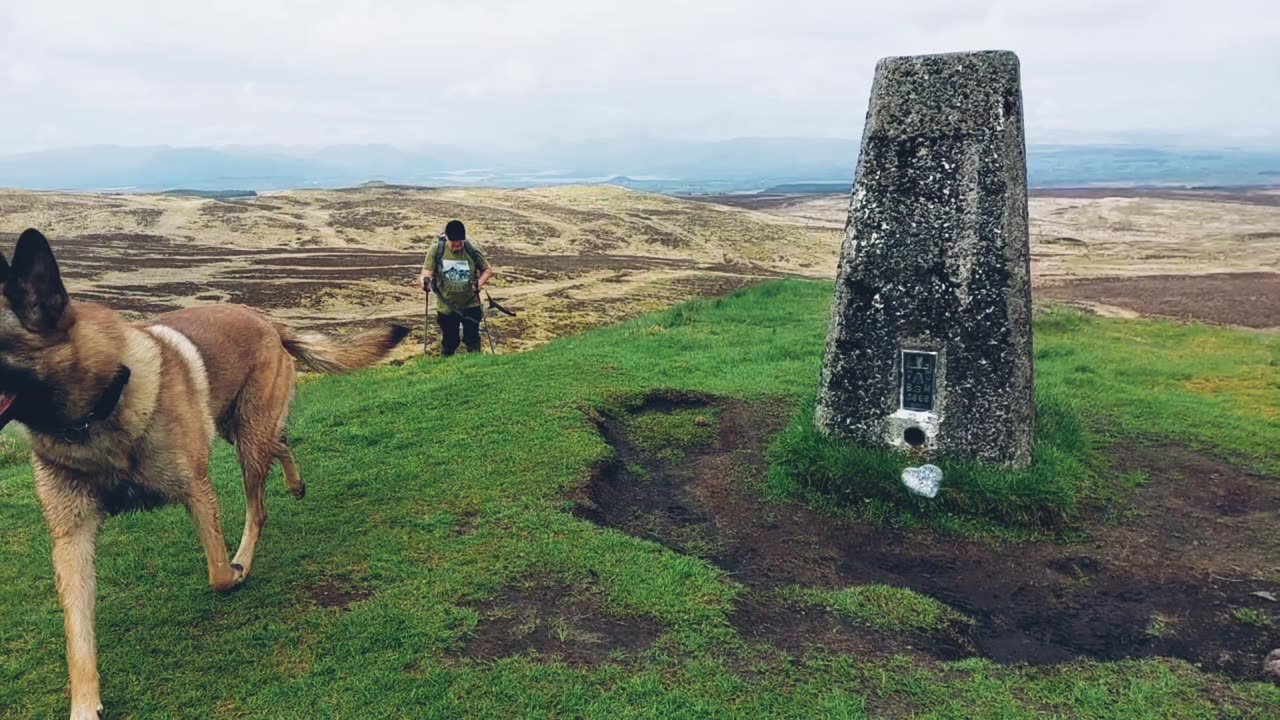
(232, 581)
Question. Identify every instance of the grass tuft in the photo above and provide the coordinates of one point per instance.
(668, 435)
(1045, 495)
(1252, 617)
(881, 607)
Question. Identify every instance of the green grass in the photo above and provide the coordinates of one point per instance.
(13, 448)
(808, 464)
(1255, 618)
(881, 607)
(1212, 389)
(436, 484)
(1160, 626)
(1099, 383)
(667, 435)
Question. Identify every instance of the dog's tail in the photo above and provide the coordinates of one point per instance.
(326, 354)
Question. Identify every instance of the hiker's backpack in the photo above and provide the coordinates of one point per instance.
(471, 253)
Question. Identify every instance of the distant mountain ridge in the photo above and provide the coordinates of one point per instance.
(738, 165)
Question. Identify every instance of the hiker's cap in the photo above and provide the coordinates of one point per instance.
(456, 231)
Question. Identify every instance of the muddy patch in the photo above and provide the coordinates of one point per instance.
(557, 623)
(798, 629)
(338, 593)
(1177, 578)
(1246, 299)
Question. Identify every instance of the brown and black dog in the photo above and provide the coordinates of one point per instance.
(121, 416)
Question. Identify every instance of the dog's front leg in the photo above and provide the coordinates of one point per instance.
(203, 507)
(74, 574)
(73, 521)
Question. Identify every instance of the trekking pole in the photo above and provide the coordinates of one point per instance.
(484, 318)
(426, 313)
(488, 329)
(484, 321)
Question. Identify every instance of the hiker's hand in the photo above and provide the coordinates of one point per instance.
(423, 277)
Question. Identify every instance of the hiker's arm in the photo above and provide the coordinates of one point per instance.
(484, 278)
(428, 271)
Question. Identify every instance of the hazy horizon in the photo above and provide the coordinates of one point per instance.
(503, 74)
(1093, 139)
(739, 165)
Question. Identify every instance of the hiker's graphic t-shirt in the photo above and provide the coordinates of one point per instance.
(457, 277)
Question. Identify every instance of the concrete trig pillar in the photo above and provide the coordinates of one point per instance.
(929, 343)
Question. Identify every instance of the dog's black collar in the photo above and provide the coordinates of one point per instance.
(78, 431)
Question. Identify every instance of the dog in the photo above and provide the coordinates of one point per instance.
(121, 417)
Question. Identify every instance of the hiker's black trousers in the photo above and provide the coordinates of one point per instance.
(450, 325)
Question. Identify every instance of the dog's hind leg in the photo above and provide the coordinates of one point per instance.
(259, 432)
(73, 522)
(256, 455)
(297, 486)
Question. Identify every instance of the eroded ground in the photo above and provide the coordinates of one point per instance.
(1191, 572)
(557, 622)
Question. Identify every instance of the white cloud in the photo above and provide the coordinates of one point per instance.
(497, 72)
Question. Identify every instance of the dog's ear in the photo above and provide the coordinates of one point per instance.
(33, 284)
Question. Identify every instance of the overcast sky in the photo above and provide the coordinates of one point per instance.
(415, 71)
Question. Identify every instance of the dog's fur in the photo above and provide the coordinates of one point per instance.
(179, 378)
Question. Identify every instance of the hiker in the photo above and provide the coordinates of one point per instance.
(457, 271)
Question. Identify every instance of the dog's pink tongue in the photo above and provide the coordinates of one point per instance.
(5, 402)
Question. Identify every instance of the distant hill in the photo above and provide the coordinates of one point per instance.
(108, 167)
(664, 166)
(812, 188)
(211, 194)
(1071, 165)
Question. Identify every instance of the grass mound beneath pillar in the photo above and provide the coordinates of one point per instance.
(1100, 383)
(840, 474)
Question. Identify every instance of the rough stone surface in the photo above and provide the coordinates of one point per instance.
(1271, 665)
(936, 258)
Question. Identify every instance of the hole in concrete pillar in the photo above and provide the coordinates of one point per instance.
(914, 436)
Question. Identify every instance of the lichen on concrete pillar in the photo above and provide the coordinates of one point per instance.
(929, 341)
